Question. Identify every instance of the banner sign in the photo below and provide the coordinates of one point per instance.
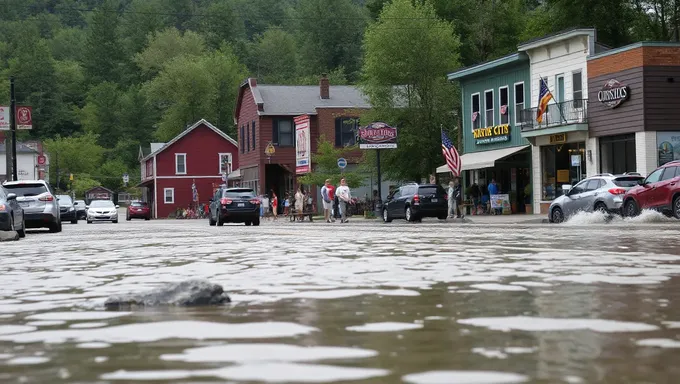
(303, 145)
(24, 117)
(500, 202)
(377, 135)
(489, 135)
(4, 118)
(668, 144)
(613, 93)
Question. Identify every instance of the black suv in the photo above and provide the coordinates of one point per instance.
(415, 201)
(234, 205)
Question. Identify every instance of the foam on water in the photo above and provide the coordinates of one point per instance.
(45, 323)
(538, 324)
(498, 287)
(672, 324)
(465, 377)
(87, 325)
(10, 329)
(659, 343)
(647, 216)
(93, 345)
(252, 353)
(28, 360)
(384, 327)
(78, 315)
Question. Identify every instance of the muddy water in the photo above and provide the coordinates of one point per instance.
(588, 301)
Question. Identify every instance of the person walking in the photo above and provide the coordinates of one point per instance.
(476, 194)
(327, 194)
(345, 197)
(300, 202)
(275, 204)
(458, 197)
(450, 199)
(493, 190)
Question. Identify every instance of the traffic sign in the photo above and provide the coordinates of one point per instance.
(270, 150)
(126, 178)
(70, 177)
(42, 160)
(342, 163)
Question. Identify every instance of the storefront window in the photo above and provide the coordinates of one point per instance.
(562, 164)
(617, 154)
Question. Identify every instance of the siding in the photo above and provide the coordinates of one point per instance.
(183, 193)
(662, 98)
(628, 117)
(248, 113)
(325, 126)
(500, 78)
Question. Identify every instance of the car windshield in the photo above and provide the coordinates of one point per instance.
(139, 204)
(628, 181)
(431, 190)
(102, 204)
(63, 199)
(242, 193)
(26, 189)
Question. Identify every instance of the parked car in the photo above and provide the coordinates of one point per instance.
(11, 213)
(659, 191)
(36, 197)
(81, 212)
(234, 205)
(67, 209)
(102, 210)
(413, 202)
(138, 210)
(602, 193)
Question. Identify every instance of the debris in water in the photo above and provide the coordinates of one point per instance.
(186, 293)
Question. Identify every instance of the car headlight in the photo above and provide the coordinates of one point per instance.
(70, 209)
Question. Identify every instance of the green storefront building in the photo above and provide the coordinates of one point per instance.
(493, 96)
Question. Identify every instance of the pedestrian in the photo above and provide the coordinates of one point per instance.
(458, 197)
(275, 204)
(493, 190)
(476, 194)
(286, 205)
(327, 194)
(450, 198)
(345, 197)
(300, 202)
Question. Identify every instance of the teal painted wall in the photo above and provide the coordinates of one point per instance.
(494, 79)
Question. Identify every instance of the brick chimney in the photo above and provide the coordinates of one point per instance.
(324, 91)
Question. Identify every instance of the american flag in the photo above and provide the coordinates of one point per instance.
(451, 155)
(544, 96)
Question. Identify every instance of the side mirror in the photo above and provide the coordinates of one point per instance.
(566, 187)
(11, 196)
(87, 207)
(75, 204)
(117, 206)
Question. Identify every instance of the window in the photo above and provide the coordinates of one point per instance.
(253, 132)
(345, 131)
(654, 176)
(504, 110)
(669, 173)
(577, 89)
(579, 188)
(488, 108)
(519, 100)
(242, 140)
(282, 132)
(476, 118)
(169, 195)
(247, 139)
(593, 185)
(225, 163)
(617, 154)
(180, 163)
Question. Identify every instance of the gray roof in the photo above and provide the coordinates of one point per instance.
(304, 99)
(21, 148)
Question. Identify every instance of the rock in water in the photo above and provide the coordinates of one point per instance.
(186, 293)
(9, 236)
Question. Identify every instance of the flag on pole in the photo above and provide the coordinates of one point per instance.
(194, 191)
(451, 155)
(544, 96)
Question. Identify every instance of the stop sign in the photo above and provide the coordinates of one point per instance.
(42, 160)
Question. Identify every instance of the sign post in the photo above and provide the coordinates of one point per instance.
(126, 179)
(378, 135)
(342, 163)
(13, 127)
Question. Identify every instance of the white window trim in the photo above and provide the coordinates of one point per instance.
(177, 155)
(572, 83)
(219, 159)
(472, 109)
(514, 100)
(493, 108)
(165, 195)
(507, 111)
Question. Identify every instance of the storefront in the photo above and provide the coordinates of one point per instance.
(562, 163)
(635, 106)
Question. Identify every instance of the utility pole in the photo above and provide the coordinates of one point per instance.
(13, 127)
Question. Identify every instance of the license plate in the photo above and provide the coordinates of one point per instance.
(24, 203)
(435, 200)
(241, 204)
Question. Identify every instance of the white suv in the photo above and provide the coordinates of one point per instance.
(37, 198)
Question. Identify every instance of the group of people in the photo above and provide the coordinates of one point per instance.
(301, 203)
(480, 197)
(335, 200)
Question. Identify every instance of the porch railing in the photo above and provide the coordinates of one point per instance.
(557, 114)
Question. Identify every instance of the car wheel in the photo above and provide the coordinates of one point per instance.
(128, 218)
(600, 207)
(676, 207)
(386, 216)
(408, 214)
(55, 228)
(114, 221)
(632, 208)
(219, 221)
(248, 223)
(442, 217)
(256, 222)
(89, 222)
(557, 216)
(147, 218)
(22, 232)
(211, 222)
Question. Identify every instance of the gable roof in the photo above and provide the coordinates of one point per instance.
(184, 133)
(558, 36)
(21, 148)
(513, 58)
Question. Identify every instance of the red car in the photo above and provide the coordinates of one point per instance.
(138, 210)
(659, 191)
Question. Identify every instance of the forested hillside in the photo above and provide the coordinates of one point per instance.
(106, 75)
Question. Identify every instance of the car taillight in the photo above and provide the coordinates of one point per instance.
(47, 198)
(225, 201)
(416, 199)
(255, 201)
(2, 207)
(617, 191)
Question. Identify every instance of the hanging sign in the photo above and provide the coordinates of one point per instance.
(4, 118)
(302, 145)
(613, 93)
(377, 135)
(496, 134)
(24, 117)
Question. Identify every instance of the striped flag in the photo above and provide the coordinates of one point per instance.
(451, 155)
(194, 191)
(544, 97)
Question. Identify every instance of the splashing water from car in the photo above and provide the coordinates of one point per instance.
(647, 216)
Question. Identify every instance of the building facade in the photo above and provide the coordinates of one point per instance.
(28, 162)
(634, 94)
(494, 94)
(201, 156)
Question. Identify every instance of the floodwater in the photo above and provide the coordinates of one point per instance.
(591, 300)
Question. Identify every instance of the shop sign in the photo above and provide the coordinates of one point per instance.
(377, 135)
(613, 93)
(668, 146)
(303, 144)
(495, 134)
(558, 138)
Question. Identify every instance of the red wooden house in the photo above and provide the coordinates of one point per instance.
(199, 156)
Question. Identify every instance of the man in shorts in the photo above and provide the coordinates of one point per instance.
(328, 195)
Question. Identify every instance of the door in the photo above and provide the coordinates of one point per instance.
(575, 196)
(589, 196)
(665, 188)
(392, 201)
(560, 95)
(648, 196)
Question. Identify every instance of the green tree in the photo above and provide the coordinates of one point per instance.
(325, 166)
(100, 114)
(274, 56)
(221, 23)
(103, 57)
(83, 183)
(167, 45)
(141, 19)
(110, 174)
(407, 85)
(68, 44)
(74, 154)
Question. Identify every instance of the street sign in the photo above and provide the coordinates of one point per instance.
(24, 117)
(42, 160)
(342, 163)
(270, 150)
(126, 178)
(4, 118)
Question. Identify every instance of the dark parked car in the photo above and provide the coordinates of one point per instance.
(414, 201)
(234, 205)
(11, 213)
(67, 209)
(659, 191)
(81, 211)
(138, 210)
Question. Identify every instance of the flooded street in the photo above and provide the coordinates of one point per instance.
(428, 303)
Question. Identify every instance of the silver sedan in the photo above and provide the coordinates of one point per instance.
(102, 210)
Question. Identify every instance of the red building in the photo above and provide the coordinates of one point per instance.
(200, 155)
(265, 114)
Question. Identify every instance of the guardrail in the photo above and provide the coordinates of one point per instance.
(557, 114)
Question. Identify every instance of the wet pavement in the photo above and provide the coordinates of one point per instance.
(588, 301)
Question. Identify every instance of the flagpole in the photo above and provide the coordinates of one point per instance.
(551, 95)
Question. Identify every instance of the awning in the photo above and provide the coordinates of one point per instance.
(235, 175)
(481, 160)
(145, 183)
